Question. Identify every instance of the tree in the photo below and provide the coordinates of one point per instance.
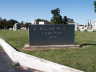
(0, 18)
(70, 20)
(4, 24)
(65, 20)
(57, 18)
(9, 25)
(21, 24)
(55, 12)
(4, 21)
(95, 6)
(27, 25)
(11, 22)
(1, 24)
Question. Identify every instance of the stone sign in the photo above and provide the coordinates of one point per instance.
(51, 35)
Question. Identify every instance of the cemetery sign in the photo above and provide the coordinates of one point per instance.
(57, 34)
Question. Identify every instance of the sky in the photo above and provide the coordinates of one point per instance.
(28, 10)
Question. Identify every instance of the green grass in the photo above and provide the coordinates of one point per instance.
(17, 39)
(83, 58)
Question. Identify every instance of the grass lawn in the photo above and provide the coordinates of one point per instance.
(83, 58)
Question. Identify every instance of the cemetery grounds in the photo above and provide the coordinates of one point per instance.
(82, 58)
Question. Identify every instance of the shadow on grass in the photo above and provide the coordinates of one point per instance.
(87, 44)
(15, 48)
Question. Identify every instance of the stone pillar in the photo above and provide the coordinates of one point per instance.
(87, 23)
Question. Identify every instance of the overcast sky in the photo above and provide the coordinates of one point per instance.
(28, 10)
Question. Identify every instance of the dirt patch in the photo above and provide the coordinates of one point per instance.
(1, 47)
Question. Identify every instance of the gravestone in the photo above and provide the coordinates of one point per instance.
(34, 22)
(10, 28)
(76, 26)
(90, 30)
(42, 22)
(85, 27)
(51, 35)
(16, 26)
(82, 29)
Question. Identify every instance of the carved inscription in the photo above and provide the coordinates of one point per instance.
(52, 32)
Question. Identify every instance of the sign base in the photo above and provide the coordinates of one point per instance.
(49, 46)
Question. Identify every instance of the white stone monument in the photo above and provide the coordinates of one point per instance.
(10, 28)
(85, 27)
(42, 22)
(16, 26)
(34, 22)
(82, 29)
(90, 30)
(23, 28)
(76, 26)
(94, 25)
(90, 22)
(87, 23)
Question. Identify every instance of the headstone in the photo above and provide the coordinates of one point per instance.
(51, 35)
(87, 23)
(10, 28)
(16, 26)
(90, 30)
(42, 22)
(90, 26)
(82, 29)
(76, 26)
(34, 22)
(85, 28)
(23, 28)
(94, 25)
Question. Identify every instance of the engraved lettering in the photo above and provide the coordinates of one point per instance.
(57, 28)
(59, 33)
(47, 29)
(52, 28)
(40, 28)
(43, 33)
(52, 37)
(51, 33)
(63, 28)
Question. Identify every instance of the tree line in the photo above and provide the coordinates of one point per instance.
(6, 24)
(95, 6)
(56, 19)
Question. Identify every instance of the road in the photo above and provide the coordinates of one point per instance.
(6, 64)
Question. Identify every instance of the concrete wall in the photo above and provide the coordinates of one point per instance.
(34, 62)
(8, 49)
